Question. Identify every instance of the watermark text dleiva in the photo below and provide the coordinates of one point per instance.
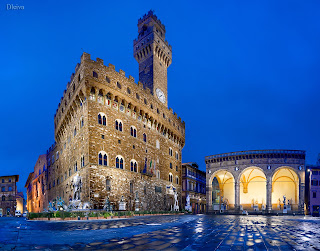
(15, 7)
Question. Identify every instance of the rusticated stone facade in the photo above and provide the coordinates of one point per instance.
(119, 136)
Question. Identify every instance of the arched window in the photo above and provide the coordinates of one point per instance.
(177, 155)
(99, 119)
(82, 161)
(3, 189)
(144, 137)
(170, 177)
(177, 180)
(81, 122)
(74, 132)
(171, 165)
(103, 158)
(170, 151)
(118, 125)
(133, 131)
(102, 119)
(94, 74)
(92, 94)
(100, 97)
(107, 79)
(131, 187)
(108, 185)
(119, 162)
(118, 85)
(3, 198)
(133, 166)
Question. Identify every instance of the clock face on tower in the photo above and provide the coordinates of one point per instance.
(161, 96)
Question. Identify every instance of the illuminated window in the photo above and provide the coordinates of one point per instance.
(92, 94)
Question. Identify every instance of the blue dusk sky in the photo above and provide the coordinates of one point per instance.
(245, 74)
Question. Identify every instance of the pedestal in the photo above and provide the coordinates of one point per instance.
(136, 206)
(122, 206)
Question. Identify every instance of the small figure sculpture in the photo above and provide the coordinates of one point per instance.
(76, 187)
(284, 199)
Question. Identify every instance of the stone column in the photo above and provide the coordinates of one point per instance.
(269, 194)
(237, 195)
(301, 196)
(209, 198)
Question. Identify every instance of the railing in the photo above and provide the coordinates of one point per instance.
(254, 152)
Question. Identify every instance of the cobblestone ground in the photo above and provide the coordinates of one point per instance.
(187, 232)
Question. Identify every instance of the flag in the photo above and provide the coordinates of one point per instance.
(151, 167)
(145, 166)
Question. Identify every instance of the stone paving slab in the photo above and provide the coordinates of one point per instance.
(186, 232)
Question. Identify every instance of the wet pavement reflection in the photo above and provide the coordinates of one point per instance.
(186, 232)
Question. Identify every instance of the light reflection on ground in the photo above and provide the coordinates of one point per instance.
(187, 232)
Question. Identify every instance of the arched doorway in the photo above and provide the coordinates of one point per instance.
(223, 196)
(285, 182)
(253, 189)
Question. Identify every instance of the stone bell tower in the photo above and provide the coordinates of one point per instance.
(154, 55)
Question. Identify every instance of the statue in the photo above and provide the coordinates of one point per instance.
(61, 205)
(76, 187)
(122, 204)
(176, 205)
(188, 206)
(136, 202)
(107, 205)
(284, 199)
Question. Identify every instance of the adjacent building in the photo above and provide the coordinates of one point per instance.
(8, 202)
(194, 186)
(313, 188)
(37, 199)
(262, 180)
(118, 137)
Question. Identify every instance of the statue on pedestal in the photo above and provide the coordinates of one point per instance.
(76, 187)
(136, 202)
(122, 204)
(107, 205)
(176, 204)
(188, 206)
